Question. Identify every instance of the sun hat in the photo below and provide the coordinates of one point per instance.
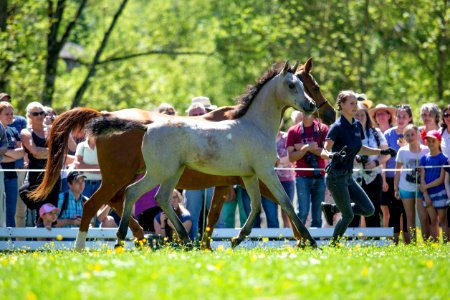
(434, 134)
(47, 208)
(391, 110)
(73, 176)
(205, 101)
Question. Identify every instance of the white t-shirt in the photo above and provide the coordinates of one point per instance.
(89, 157)
(410, 160)
(445, 143)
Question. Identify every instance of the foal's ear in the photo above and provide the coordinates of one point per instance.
(294, 69)
(285, 68)
(308, 65)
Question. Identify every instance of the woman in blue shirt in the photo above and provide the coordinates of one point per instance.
(343, 143)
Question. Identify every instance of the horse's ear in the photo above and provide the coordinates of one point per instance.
(285, 68)
(308, 65)
(295, 67)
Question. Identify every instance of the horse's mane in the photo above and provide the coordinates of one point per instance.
(245, 100)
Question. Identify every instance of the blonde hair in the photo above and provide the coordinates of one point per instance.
(30, 107)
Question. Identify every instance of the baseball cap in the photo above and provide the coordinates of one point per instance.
(74, 175)
(47, 208)
(435, 134)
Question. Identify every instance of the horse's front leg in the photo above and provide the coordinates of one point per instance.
(219, 197)
(90, 208)
(274, 185)
(251, 184)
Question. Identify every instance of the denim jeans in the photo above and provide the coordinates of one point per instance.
(11, 190)
(345, 191)
(91, 187)
(310, 192)
(195, 200)
(270, 209)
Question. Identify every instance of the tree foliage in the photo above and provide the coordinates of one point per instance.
(173, 50)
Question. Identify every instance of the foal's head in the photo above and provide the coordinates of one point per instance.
(291, 92)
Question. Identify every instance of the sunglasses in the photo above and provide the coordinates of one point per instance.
(37, 113)
(446, 115)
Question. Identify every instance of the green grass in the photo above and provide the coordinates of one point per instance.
(349, 272)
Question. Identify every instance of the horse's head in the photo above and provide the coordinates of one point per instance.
(312, 88)
(291, 92)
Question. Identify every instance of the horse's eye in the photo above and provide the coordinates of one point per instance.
(317, 88)
(291, 85)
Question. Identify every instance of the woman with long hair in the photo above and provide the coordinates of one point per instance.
(369, 174)
(343, 143)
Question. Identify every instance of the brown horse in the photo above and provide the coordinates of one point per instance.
(120, 166)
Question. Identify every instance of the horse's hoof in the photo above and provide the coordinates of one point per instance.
(235, 242)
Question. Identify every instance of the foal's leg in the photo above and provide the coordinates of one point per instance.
(132, 194)
(252, 186)
(117, 204)
(274, 185)
(164, 199)
(220, 194)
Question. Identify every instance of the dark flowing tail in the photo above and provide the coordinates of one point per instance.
(106, 125)
(58, 144)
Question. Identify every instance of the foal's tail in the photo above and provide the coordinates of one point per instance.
(104, 126)
(58, 144)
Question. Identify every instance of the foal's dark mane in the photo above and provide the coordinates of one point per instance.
(245, 100)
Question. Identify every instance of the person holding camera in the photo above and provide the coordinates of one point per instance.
(304, 144)
(406, 183)
(342, 144)
(368, 175)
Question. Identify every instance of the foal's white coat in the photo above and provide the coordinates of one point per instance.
(244, 147)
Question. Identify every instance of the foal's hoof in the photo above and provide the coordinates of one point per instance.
(235, 241)
(140, 244)
(303, 245)
(189, 246)
(119, 244)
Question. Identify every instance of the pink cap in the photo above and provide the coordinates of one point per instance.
(435, 134)
(46, 208)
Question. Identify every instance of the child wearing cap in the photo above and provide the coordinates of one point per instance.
(48, 216)
(432, 184)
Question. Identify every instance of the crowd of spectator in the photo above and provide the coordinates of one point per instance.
(396, 186)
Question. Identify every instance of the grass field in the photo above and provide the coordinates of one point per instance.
(348, 272)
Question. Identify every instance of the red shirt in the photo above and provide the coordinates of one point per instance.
(295, 136)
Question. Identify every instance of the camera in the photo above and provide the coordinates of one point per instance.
(311, 160)
(362, 159)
